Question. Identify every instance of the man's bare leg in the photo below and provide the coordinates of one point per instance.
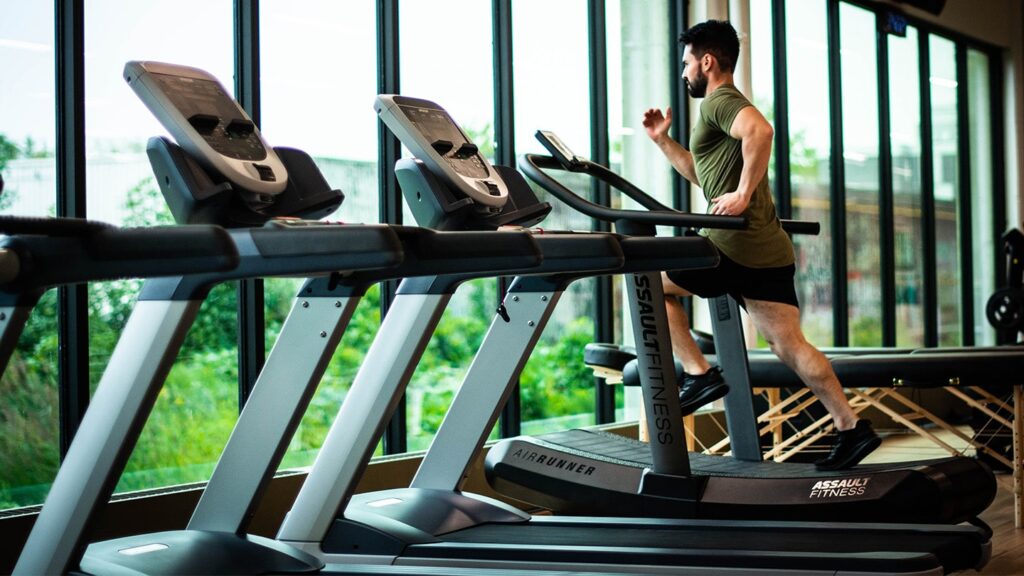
(780, 325)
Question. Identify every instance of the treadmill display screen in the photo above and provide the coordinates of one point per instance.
(447, 140)
(214, 114)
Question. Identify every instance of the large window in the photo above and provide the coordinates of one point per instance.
(983, 246)
(464, 87)
(316, 75)
(29, 445)
(905, 141)
(315, 99)
(198, 405)
(553, 94)
(641, 71)
(860, 159)
(809, 153)
(945, 182)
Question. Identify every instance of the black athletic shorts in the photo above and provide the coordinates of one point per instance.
(739, 281)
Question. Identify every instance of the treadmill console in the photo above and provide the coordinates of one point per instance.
(210, 125)
(559, 150)
(433, 137)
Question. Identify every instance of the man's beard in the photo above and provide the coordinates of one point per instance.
(699, 88)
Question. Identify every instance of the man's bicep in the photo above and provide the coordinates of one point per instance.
(748, 121)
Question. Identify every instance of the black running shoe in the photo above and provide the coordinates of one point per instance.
(851, 446)
(697, 390)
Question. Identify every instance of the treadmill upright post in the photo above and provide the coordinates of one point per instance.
(143, 356)
(309, 337)
(502, 354)
(387, 368)
(731, 348)
(656, 366)
(13, 318)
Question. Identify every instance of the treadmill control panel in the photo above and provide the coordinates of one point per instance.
(207, 122)
(559, 150)
(431, 134)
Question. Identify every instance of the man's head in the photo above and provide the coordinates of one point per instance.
(711, 47)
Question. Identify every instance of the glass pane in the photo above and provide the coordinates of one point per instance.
(557, 389)
(301, 72)
(984, 251)
(762, 67)
(470, 101)
(860, 160)
(905, 140)
(641, 67)
(29, 447)
(198, 405)
(809, 150)
(945, 175)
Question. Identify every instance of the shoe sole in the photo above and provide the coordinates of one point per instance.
(854, 458)
(707, 395)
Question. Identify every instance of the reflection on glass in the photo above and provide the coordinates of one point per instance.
(462, 85)
(809, 150)
(640, 56)
(198, 405)
(860, 160)
(557, 389)
(905, 137)
(29, 446)
(315, 99)
(983, 249)
(945, 175)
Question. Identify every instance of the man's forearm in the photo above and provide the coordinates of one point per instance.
(679, 157)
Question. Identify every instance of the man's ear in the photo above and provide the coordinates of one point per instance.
(706, 61)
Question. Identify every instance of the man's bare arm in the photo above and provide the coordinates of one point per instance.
(657, 126)
(755, 135)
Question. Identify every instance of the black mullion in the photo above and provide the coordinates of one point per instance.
(886, 215)
(251, 314)
(930, 288)
(783, 185)
(678, 20)
(504, 96)
(840, 303)
(72, 301)
(604, 327)
(964, 200)
(682, 191)
(999, 216)
(510, 423)
(389, 152)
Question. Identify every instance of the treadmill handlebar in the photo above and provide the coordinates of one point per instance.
(83, 251)
(533, 165)
(43, 226)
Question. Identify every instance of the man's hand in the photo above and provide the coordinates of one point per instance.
(730, 204)
(657, 124)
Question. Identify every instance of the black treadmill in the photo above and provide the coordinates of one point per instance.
(947, 490)
(434, 523)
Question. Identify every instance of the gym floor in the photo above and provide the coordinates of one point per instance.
(1007, 541)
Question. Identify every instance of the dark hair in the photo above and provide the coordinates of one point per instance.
(716, 37)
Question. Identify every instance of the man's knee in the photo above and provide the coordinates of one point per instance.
(671, 288)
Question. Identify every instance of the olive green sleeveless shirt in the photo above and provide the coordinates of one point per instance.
(718, 159)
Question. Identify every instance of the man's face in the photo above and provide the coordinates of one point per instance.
(695, 79)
